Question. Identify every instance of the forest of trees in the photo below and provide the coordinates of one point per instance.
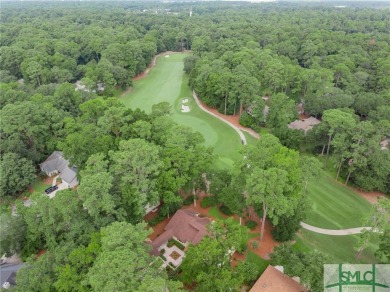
(336, 62)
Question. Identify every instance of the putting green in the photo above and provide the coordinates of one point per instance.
(167, 82)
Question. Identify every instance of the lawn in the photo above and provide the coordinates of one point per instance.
(335, 206)
(261, 264)
(39, 186)
(249, 138)
(339, 248)
(167, 82)
(215, 213)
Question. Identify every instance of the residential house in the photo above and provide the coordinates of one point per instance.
(8, 275)
(57, 164)
(274, 280)
(304, 124)
(185, 226)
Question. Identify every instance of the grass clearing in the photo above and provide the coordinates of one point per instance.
(335, 206)
(39, 186)
(261, 264)
(167, 82)
(249, 138)
(215, 213)
(339, 248)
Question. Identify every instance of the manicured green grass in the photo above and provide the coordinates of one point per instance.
(335, 206)
(215, 213)
(261, 264)
(39, 186)
(339, 248)
(167, 82)
(250, 140)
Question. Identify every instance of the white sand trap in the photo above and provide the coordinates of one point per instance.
(185, 108)
(185, 100)
(166, 56)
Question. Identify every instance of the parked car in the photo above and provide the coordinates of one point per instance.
(51, 189)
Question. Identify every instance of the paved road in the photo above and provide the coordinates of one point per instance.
(336, 232)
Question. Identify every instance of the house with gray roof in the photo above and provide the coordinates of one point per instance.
(57, 164)
(8, 275)
(304, 124)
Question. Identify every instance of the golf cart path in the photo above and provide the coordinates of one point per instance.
(336, 232)
(237, 129)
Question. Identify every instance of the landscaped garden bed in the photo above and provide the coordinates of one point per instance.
(173, 242)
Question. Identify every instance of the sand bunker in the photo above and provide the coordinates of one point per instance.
(166, 56)
(185, 108)
(185, 100)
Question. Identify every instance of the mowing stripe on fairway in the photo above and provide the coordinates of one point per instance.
(167, 82)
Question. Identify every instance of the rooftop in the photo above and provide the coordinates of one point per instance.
(273, 280)
(185, 225)
(305, 124)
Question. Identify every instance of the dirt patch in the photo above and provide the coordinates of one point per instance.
(175, 255)
(372, 197)
(158, 229)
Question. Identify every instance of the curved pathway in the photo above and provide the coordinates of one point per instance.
(336, 232)
(242, 136)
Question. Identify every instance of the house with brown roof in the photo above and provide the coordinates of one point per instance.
(273, 280)
(304, 124)
(185, 226)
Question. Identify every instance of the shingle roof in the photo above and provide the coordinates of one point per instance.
(273, 280)
(185, 225)
(305, 124)
(8, 273)
(57, 162)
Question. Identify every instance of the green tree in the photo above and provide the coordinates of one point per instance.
(273, 178)
(383, 252)
(136, 166)
(124, 250)
(16, 174)
(94, 191)
(72, 276)
(309, 267)
(377, 220)
(210, 270)
(13, 234)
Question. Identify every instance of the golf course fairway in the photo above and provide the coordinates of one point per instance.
(166, 81)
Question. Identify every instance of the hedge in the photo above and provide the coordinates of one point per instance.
(188, 201)
(225, 210)
(251, 224)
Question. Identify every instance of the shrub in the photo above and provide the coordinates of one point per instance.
(259, 210)
(172, 265)
(179, 245)
(225, 210)
(188, 201)
(157, 219)
(162, 251)
(251, 224)
(246, 120)
(255, 244)
(171, 242)
(164, 258)
(207, 202)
